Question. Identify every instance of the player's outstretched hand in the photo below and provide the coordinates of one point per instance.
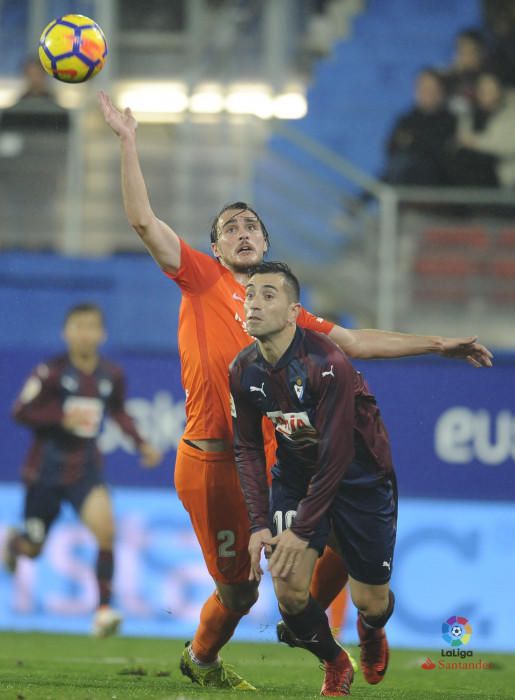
(467, 349)
(258, 540)
(122, 123)
(287, 553)
(150, 457)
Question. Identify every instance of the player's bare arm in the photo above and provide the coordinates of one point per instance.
(160, 240)
(371, 343)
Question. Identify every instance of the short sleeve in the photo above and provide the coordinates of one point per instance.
(198, 271)
(314, 323)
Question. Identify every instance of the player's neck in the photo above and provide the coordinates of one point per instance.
(273, 347)
(85, 362)
(241, 276)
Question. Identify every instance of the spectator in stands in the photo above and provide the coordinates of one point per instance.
(419, 142)
(499, 21)
(37, 107)
(485, 156)
(460, 78)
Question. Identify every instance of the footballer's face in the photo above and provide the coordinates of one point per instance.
(240, 242)
(84, 332)
(269, 307)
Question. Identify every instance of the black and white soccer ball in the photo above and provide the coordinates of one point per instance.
(456, 631)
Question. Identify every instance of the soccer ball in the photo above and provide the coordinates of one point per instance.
(456, 631)
(72, 48)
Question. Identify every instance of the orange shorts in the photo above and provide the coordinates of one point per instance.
(208, 485)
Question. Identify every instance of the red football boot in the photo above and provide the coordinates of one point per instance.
(374, 652)
(339, 675)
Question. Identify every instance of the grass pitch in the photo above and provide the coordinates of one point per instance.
(36, 666)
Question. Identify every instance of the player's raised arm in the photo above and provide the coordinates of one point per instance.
(371, 343)
(160, 240)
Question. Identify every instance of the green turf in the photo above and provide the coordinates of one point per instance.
(36, 666)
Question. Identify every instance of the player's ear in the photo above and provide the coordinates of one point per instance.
(214, 250)
(294, 312)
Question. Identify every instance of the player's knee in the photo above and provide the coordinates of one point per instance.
(33, 538)
(291, 600)
(239, 598)
(104, 536)
(371, 604)
(379, 608)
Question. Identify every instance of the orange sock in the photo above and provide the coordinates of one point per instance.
(329, 578)
(217, 625)
(338, 612)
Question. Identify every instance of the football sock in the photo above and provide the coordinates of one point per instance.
(378, 621)
(329, 577)
(337, 612)
(217, 625)
(311, 627)
(104, 572)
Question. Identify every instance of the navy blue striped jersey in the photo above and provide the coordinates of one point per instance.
(58, 455)
(328, 426)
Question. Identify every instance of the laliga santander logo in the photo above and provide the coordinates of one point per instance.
(456, 631)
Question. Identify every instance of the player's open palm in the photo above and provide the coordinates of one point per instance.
(122, 123)
(467, 349)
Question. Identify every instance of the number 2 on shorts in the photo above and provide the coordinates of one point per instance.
(226, 539)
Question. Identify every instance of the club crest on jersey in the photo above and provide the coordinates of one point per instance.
(294, 426)
(105, 387)
(69, 383)
(298, 388)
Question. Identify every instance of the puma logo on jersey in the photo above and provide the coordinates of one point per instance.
(294, 426)
(237, 297)
(259, 388)
(329, 372)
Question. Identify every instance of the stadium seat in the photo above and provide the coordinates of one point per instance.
(506, 238)
(456, 237)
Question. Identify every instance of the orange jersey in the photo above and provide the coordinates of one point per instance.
(211, 333)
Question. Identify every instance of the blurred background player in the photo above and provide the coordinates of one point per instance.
(211, 333)
(63, 402)
(333, 472)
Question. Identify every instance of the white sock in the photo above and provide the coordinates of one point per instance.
(202, 663)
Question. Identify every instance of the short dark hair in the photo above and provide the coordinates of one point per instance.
(242, 206)
(471, 34)
(279, 268)
(84, 308)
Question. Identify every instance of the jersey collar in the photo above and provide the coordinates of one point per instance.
(288, 354)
